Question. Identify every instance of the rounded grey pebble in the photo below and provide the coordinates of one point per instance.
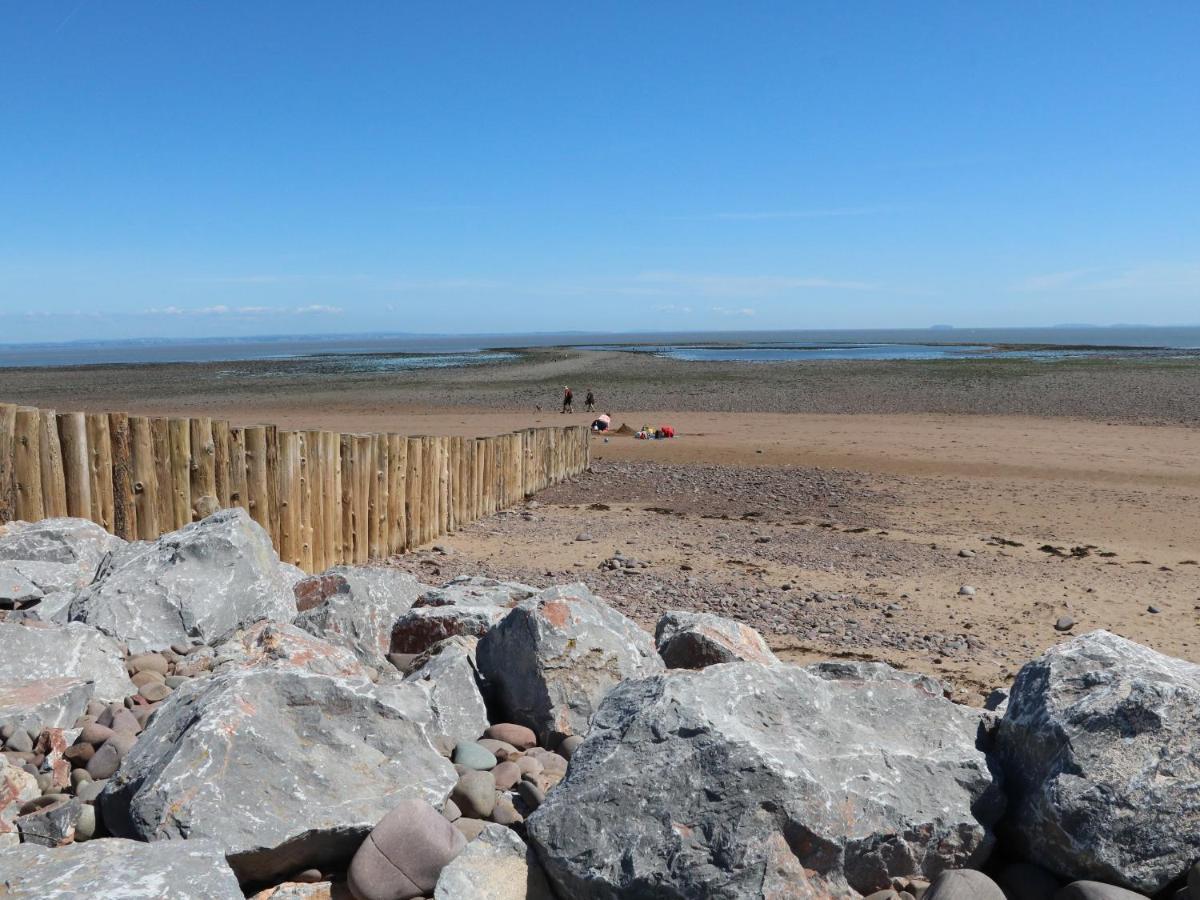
(569, 745)
(964, 884)
(530, 793)
(85, 825)
(89, 791)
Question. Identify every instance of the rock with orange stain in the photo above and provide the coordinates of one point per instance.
(202, 582)
(691, 640)
(736, 780)
(31, 651)
(356, 606)
(285, 768)
(277, 644)
(49, 702)
(467, 606)
(17, 787)
(557, 654)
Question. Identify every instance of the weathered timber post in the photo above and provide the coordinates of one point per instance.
(100, 471)
(124, 509)
(204, 474)
(8, 478)
(72, 434)
(237, 467)
(220, 439)
(288, 478)
(346, 454)
(180, 433)
(413, 492)
(54, 484)
(145, 478)
(397, 473)
(164, 496)
(27, 464)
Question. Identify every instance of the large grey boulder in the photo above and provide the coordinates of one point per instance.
(32, 651)
(110, 867)
(497, 865)
(742, 780)
(278, 644)
(356, 606)
(71, 542)
(556, 655)
(286, 769)
(1102, 758)
(448, 674)
(201, 582)
(47, 703)
(691, 640)
(467, 606)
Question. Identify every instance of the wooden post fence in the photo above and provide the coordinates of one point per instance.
(325, 499)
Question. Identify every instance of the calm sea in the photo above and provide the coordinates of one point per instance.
(401, 351)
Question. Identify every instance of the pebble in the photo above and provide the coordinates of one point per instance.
(108, 758)
(404, 854)
(451, 812)
(154, 692)
(147, 677)
(964, 884)
(1095, 890)
(95, 734)
(1153, 609)
(1064, 623)
(966, 591)
(149, 662)
(506, 775)
(470, 828)
(124, 720)
(176, 681)
(967, 554)
(473, 756)
(85, 825)
(518, 736)
(91, 790)
(499, 749)
(529, 765)
(20, 741)
(583, 536)
(79, 754)
(505, 813)
(569, 745)
(530, 793)
(475, 794)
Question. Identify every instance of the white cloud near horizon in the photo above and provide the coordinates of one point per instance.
(245, 311)
(1148, 278)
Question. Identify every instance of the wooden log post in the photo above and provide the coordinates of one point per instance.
(397, 475)
(237, 467)
(331, 506)
(458, 456)
(314, 520)
(100, 471)
(220, 439)
(304, 523)
(54, 482)
(257, 494)
(164, 496)
(180, 434)
(203, 469)
(72, 435)
(413, 492)
(145, 478)
(27, 464)
(346, 455)
(8, 478)
(124, 508)
(443, 473)
(272, 448)
(288, 478)
(378, 534)
(363, 472)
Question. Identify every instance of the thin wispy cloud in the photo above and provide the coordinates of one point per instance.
(747, 285)
(1146, 279)
(769, 214)
(742, 311)
(221, 310)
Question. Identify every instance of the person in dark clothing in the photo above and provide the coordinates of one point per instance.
(589, 402)
(567, 398)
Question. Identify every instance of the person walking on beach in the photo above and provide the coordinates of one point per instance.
(567, 398)
(589, 402)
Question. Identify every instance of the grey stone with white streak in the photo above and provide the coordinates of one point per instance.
(692, 640)
(202, 582)
(557, 654)
(356, 606)
(76, 543)
(742, 780)
(469, 606)
(286, 769)
(111, 867)
(1100, 748)
(45, 703)
(497, 865)
(33, 651)
(449, 675)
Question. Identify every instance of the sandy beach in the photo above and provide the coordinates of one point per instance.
(839, 507)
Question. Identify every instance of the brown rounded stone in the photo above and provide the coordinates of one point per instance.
(518, 735)
(404, 854)
(506, 775)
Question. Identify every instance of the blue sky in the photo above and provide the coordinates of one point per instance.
(187, 169)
